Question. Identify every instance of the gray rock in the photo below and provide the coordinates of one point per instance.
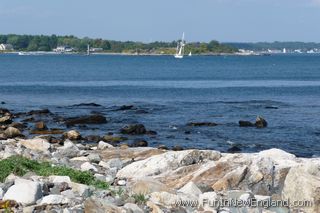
(88, 167)
(133, 208)
(24, 191)
(94, 157)
(54, 199)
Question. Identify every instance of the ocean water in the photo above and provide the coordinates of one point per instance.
(168, 93)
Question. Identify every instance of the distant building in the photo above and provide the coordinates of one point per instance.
(63, 49)
(6, 47)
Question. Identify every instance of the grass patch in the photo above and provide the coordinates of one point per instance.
(140, 199)
(20, 166)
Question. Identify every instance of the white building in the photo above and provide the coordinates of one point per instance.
(63, 49)
(6, 47)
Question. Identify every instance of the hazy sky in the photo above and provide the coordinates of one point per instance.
(149, 20)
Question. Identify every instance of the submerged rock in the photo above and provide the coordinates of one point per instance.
(39, 112)
(125, 107)
(114, 139)
(87, 104)
(139, 143)
(234, 149)
(245, 124)
(201, 124)
(40, 126)
(47, 132)
(133, 129)
(91, 119)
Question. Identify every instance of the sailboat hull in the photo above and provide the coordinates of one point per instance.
(178, 56)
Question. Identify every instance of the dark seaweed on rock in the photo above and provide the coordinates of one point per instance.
(87, 104)
(90, 119)
(201, 124)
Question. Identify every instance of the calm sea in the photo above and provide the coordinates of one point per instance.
(284, 89)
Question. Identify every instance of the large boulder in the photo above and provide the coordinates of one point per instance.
(303, 184)
(24, 191)
(231, 180)
(90, 119)
(12, 132)
(166, 162)
(38, 144)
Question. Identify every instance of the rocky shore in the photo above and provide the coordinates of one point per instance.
(57, 170)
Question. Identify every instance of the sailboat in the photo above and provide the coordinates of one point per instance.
(190, 54)
(88, 49)
(180, 48)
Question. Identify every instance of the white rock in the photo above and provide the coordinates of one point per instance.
(81, 158)
(133, 208)
(88, 167)
(122, 182)
(37, 144)
(104, 145)
(24, 191)
(190, 188)
(59, 179)
(54, 199)
(166, 162)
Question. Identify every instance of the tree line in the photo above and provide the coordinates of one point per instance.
(48, 43)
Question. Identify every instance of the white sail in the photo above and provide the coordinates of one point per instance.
(88, 49)
(180, 48)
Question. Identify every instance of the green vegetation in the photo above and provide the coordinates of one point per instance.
(20, 166)
(140, 199)
(48, 43)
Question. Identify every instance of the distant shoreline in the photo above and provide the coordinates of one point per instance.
(129, 54)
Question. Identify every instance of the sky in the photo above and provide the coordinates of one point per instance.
(165, 20)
